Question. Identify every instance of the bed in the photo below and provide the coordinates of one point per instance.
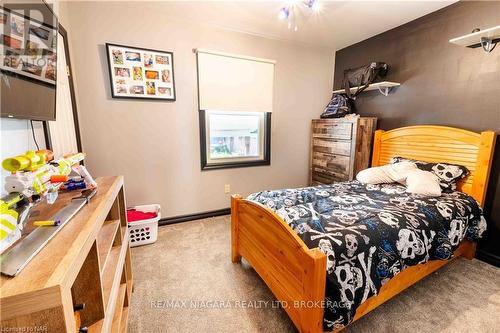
(297, 273)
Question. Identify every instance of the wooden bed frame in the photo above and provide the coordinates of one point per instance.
(297, 275)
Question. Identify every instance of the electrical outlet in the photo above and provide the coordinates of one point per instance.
(227, 188)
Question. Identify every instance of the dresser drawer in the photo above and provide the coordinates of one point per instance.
(336, 163)
(324, 176)
(334, 130)
(330, 146)
(340, 148)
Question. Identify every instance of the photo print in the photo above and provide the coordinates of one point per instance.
(132, 56)
(140, 73)
(40, 32)
(29, 47)
(17, 26)
(117, 57)
(148, 60)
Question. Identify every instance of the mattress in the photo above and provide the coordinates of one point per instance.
(370, 233)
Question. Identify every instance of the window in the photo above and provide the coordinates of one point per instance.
(234, 139)
(235, 99)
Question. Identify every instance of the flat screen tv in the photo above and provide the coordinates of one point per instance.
(28, 48)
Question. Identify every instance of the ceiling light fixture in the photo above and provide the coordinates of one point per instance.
(284, 13)
(288, 11)
(315, 5)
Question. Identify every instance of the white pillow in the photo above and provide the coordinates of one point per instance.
(423, 182)
(388, 173)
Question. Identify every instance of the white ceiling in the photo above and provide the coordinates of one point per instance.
(337, 25)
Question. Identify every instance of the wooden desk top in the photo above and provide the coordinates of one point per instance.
(57, 264)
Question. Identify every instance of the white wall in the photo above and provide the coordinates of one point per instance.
(155, 144)
(16, 138)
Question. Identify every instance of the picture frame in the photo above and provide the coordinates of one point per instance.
(28, 48)
(142, 73)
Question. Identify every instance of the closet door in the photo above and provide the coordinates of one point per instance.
(63, 135)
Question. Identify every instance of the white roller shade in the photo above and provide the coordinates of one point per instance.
(230, 82)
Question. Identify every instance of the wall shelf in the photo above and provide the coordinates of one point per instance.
(383, 87)
(482, 38)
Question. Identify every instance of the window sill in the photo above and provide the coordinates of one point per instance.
(234, 165)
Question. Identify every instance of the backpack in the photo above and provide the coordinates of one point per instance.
(339, 106)
(363, 76)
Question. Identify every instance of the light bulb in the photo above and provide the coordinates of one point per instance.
(284, 13)
(313, 5)
(316, 6)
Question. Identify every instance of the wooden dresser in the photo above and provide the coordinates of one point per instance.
(340, 148)
(88, 262)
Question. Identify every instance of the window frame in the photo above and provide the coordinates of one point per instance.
(206, 165)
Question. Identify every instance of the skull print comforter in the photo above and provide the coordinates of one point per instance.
(370, 233)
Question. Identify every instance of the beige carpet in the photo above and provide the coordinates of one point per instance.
(185, 282)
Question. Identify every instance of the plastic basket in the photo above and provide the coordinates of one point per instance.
(144, 232)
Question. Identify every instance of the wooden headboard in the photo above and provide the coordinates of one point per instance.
(441, 144)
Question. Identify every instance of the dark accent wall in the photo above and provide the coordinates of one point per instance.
(441, 83)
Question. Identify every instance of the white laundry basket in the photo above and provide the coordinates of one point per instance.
(144, 232)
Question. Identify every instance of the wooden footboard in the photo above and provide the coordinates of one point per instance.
(295, 274)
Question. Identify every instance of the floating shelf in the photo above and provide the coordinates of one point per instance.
(473, 40)
(383, 87)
